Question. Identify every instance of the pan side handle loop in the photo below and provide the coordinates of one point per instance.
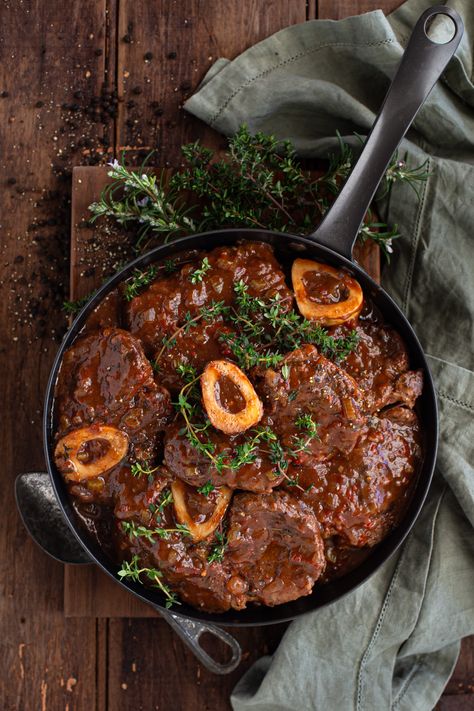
(45, 523)
(422, 64)
(190, 632)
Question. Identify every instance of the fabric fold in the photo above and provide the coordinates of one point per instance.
(393, 642)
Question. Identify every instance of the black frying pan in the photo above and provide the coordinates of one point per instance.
(422, 64)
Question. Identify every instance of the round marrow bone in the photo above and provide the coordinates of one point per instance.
(328, 314)
(222, 419)
(68, 459)
(199, 531)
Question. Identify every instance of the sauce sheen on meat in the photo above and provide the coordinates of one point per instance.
(285, 503)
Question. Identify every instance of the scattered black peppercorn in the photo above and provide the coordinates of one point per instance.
(39, 104)
(172, 55)
(130, 104)
(99, 52)
(127, 39)
(11, 181)
(4, 94)
(148, 56)
(78, 94)
(137, 90)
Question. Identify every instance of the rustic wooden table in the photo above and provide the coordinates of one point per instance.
(80, 81)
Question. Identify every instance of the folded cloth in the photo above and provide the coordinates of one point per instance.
(392, 643)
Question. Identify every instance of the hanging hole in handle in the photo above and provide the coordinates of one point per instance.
(215, 647)
(440, 28)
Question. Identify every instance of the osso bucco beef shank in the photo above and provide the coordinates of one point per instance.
(246, 436)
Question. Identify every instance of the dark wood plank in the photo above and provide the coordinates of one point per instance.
(462, 680)
(460, 702)
(184, 40)
(48, 51)
(338, 9)
(150, 668)
(87, 591)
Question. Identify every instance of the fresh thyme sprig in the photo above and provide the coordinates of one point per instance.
(138, 469)
(258, 183)
(206, 313)
(259, 439)
(197, 275)
(131, 570)
(134, 530)
(73, 307)
(267, 330)
(137, 281)
(165, 500)
(206, 488)
(217, 551)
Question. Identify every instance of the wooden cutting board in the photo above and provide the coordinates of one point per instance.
(88, 592)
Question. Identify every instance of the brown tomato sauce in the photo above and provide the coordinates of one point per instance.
(296, 506)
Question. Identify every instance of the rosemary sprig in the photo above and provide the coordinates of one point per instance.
(131, 570)
(258, 183)
(145, 199)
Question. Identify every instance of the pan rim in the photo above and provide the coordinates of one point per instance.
(381, 553)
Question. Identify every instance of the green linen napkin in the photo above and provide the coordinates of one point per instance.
(393, 643)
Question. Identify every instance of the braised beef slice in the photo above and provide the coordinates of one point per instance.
(275, 546)
(157, 313)
(318, 387)
(380, 365)
(361, 496)
(196, 468)
(106, 378)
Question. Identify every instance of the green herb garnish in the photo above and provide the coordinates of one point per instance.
(206, 488)
(258, 183)
(198, 274)
(217, 551)
(131, 570)
(137, 281)
(135, 530)
(138, 469)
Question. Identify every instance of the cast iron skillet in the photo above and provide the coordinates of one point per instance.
(332, 243)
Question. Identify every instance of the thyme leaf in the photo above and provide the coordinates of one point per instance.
(137, 281)
(217, 551)
(258, 183)
(131, 570)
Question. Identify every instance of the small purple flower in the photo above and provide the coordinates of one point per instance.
(114, 164)
(143, 202)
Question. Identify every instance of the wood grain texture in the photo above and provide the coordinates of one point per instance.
(184, 39)
(87, 591)
(338, 9)
(168, 676)
(49, 51)
(46, 54)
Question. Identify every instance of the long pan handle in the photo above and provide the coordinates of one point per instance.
(421, 66)
(44, 521)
